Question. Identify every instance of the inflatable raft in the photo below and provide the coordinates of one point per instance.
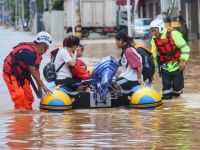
(102, 94)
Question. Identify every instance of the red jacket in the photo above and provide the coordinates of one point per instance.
(80, 70)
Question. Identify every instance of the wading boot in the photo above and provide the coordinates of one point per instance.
(167, 96)
(176, 94)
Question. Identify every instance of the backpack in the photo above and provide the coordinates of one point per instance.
(147, 61)
(49, 71)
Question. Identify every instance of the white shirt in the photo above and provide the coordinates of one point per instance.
(63, 56)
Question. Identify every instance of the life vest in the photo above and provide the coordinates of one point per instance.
(80, 70)
(139, 45)
(12, 66)
(167, 50)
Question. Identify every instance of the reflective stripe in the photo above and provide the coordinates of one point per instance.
(184, 45)
(178, 92)
(185, 53)
(125, 91)
(122, 81)
(164, 66)
(167, 91)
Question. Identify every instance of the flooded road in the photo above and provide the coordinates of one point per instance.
(173, 126)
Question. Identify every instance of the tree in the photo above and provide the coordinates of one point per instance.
(57, 4)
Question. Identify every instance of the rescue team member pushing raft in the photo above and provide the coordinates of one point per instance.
(172, 54)
(22, 62)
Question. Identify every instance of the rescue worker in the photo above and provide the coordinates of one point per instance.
(172, 54)
(131, 61)
(22, 62)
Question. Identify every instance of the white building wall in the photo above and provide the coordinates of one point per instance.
(56, 24)
(34, 26)
(166, 4)
(199, 18)
(53, 23)
(151, 8)
(46, 21)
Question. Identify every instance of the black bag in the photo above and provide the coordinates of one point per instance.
(49, 71)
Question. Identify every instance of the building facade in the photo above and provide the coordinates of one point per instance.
(188, 9)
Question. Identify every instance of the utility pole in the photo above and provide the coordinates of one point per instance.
(3, 12)
(32, 11)
(129, 17)
(73, 18)
(16, 13)
(44, 5)
(136, 9)
(78, 19)
(22, 5)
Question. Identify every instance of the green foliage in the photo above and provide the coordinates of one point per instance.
(40, 6)
(26, 9)
(57, 4)
(11, 6)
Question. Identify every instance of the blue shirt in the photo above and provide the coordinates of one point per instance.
(27, 57)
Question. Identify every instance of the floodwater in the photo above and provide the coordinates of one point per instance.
(173, 126)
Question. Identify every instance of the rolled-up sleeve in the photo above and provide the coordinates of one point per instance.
(133, 59)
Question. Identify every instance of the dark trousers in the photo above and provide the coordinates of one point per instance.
(126, 85)
(69, 83)
(172, 82)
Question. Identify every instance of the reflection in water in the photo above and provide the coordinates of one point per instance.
(19, 131)
(173, 127)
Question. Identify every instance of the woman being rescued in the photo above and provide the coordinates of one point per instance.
(130, 74)
(71, 45)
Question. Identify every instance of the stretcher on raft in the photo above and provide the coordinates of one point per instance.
(102, 93)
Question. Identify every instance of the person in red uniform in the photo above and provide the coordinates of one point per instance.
(22, 63)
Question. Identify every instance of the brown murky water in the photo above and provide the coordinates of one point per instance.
(173, 126)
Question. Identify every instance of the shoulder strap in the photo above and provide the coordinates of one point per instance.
(126, 58)
(60, 66)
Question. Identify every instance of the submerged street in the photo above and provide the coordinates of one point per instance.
(174, 125)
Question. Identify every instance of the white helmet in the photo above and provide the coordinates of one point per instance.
(158, 23)
(44, 37)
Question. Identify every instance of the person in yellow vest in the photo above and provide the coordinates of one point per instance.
(172, 53)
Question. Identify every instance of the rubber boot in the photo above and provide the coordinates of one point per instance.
(176, 94)
(167, 96)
